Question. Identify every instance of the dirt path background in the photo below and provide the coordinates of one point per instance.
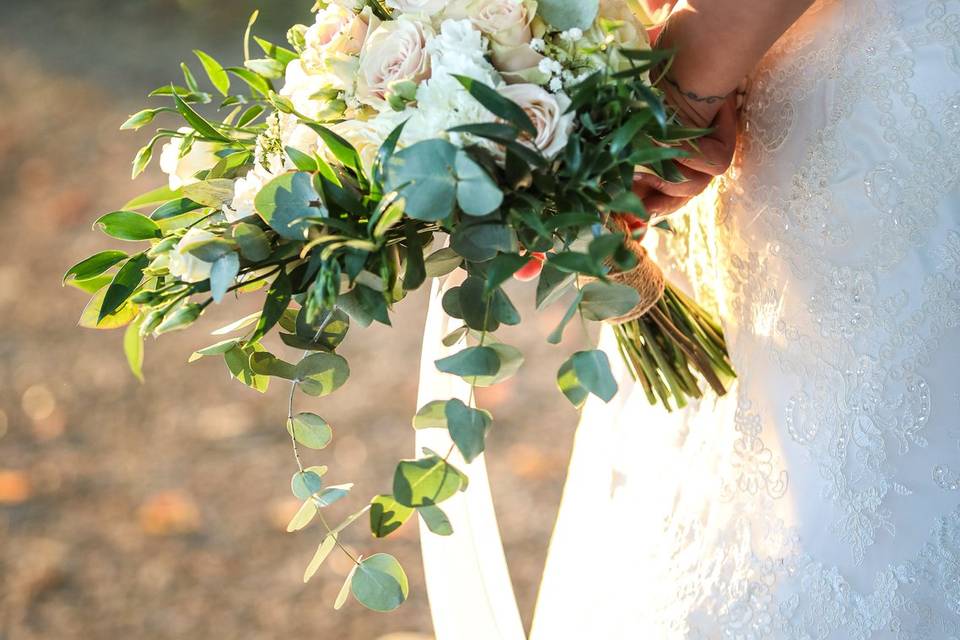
(157, 511)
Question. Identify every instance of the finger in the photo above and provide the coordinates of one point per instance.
(660, 205)
(714, 152)
(695, 183)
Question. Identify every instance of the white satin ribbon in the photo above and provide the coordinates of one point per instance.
(471, 597)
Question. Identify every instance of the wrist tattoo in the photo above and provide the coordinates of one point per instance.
(690, 95)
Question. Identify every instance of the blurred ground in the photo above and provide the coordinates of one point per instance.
(158, 511)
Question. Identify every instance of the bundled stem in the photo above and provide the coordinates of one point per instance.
(665, 347)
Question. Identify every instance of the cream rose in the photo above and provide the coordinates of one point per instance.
(185, 266)
(505, 22)
(202, 155)
(337, 30)
(546, 111)
(395, 51)
(421, 7)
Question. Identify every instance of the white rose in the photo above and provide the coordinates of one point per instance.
(421, 7)
(546, 111)
(202, 155)
(185, 266)
(395, 51)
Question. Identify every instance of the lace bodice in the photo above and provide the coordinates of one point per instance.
(819, 500)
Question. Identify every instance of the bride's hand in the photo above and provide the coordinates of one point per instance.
(710, 158)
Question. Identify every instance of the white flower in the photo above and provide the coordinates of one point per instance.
(202, 155)
(395, 51)
(572, 35)
(368, 136)
(421, 7)
(556, 84)
(442, 102)
(538, 45)
(546, 111)
(185, 266)
(245, 189)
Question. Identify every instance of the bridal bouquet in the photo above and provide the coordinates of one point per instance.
(510, 130)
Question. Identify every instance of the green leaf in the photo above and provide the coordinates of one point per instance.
(387, 219)
(310, 430)
(380, 583)
(195, 120)
(332, 494)
(276, 52)
(210, 193)
(265, 67)
(473, 307)
(568, 14)
(133, 348)
(629, 202)
(423, 175)
(252, 241)
(156, 196)
(305, 483)
(90, 318)
(345, 589)
(328, 544)
(387, 515)
(416, 269)
(341, 149)
(557, 334)
(441, 262)
(511, 359)
(216, 349)
(91, 285)
(286, 201)
(303, 516)
(322, 373)
(436, 520)
(237, 360)
(587, 372)
(623, 136)
(302, 161)
(94, 265)
(123, 285)
(502, 267)
(481, 241)
(468, 428)
(477, 193)
(277, 300)
(218, 77)
(386, 150)
(553, 283)
(431, 415)
(425, 481)
(222, 275)
(128, 225)
(267, 364)
(472, 361)
(257, 84)
(603, 300)
(502, 309)
(576, 262)
(497, 104)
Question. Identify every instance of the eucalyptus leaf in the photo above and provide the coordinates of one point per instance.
(252, 241)
(306, 483)
(303, 516)
(602, 300)
(387, 515)
(322, 373)
(587, 372)
(310, 430)
(472, 361)
(423, 175)
(287, 201)
(379, 583)
(326, 546)
(477, 193)
(441, 262)
(468, 428)
(223, 273)
(425, 481)
(431, 415)
(436, 520)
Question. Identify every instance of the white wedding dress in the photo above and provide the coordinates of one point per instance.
(819, 499)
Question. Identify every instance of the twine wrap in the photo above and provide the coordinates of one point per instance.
(646, 277)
